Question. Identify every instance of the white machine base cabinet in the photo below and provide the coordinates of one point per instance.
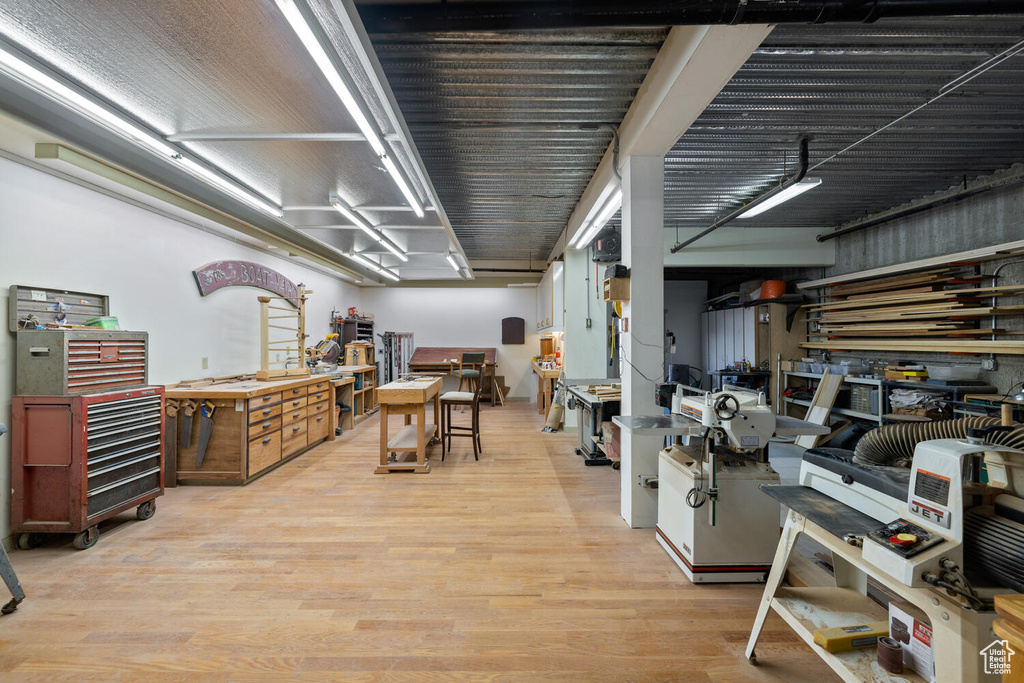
(739, 547)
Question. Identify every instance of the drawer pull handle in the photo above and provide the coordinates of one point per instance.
(296, 414)
(268, 411)
(295, 391)
(296, 428)
(267, 398)
(266, 425)
(267, 440)
(320, 418)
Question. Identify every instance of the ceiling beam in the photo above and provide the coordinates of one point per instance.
(476, 15)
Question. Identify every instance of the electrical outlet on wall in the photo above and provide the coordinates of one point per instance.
(206, 363)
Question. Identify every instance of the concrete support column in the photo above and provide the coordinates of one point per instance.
(642, 344)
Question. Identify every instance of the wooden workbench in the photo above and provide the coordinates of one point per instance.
(408, 398)
(440, 359)
(256, 426)
(544, 377)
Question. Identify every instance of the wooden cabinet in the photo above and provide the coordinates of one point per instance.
(256, 426)
(364, 391)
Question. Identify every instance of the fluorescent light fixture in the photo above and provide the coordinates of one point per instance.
(377, 268)
(399, 179)
(357, 220)
(303, 29)
(52, 88)
(783, 196)
(613, 204)
(452, 262)
(211, 178)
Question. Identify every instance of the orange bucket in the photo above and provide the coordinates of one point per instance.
(773, 289)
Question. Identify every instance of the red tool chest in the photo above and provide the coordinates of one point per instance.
(79, 460)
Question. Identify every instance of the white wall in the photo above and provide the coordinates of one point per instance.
(684, 302)
(463, 317)
(57, 234)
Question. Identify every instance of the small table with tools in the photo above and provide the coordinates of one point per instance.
(545, 376)
(408, 397)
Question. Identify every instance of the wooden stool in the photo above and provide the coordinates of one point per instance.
(448, 430)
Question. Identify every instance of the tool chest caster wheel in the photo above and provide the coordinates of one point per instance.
(87, 539)
(146, 510)
(28, 541)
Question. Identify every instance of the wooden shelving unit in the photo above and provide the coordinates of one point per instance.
(364, 398)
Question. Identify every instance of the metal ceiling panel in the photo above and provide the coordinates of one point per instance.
(506, 123)
(838, 84)
(186, 67)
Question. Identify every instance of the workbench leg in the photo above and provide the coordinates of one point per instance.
(421, 442)
(333, 422)
(383, 434)
(794, 526)
(437, 417)
(540, 394)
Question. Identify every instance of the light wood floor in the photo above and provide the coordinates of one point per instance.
(514, 568)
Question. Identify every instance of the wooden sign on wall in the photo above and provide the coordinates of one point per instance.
(220, 274)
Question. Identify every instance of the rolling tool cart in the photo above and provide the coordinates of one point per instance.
(80, 460)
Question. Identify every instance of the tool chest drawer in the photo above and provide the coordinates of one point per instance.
(292, 416)
(260, 413)
(319, 387)
(318, 427)
(265, 427)
(293, 438)
(264, 452)
(79, 460)
(317, 397)
(59, 362)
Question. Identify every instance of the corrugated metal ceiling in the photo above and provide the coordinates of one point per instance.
(497, 118)
(837, 84)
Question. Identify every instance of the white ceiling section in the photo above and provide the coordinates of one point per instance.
(231, 104)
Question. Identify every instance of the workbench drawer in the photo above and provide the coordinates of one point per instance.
(291, 404)
(265, 427)
(295, 392)
(317, 397)
(290, 417)
(264, 400)
(316, 408)
(319, 427)
(293, 438)
(264, 452)
(261, 413)
(317, 387)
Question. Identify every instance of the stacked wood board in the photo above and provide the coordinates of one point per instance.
(939, 310)
(605, 392)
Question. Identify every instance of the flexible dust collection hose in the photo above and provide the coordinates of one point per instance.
(893, 445)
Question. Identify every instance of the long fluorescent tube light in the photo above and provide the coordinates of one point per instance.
(403, 186)
(95, 112)
(379, 237)
(452, 262)
(614, 204)
(304, 31)
(783, 196)
(362, 260)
